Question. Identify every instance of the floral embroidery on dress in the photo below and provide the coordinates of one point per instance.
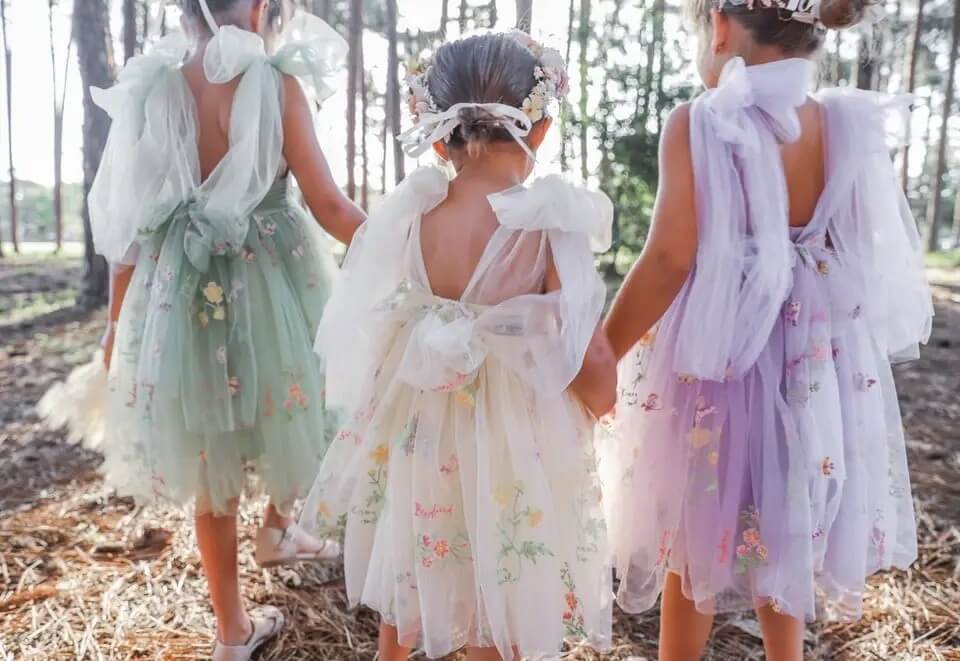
(222, 355)
(269, 407)
(591, 524)
(752, 553)
(437, 551)
(700, 436)
(823, 267)
(514, 519)
(827, 467)
(863, 382)
(792, 313)
(408, 437)
(653, 403)
(573, 622)
(249, 256)
(373, 506)
(687, 379)
(233, 385)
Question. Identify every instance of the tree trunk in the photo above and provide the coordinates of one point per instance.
(444, 17)
(8, 63)
(356, 57)
(91, 32)
(584, 42)
(956, 220)
(565, 108)
(866, 62)
(462, 19)
(524, 15)
(393, 90)
(934, 221)
(911, 85)
(494, 14)
(130, 29)
(59, 100)
(659, 18)
(364, 153)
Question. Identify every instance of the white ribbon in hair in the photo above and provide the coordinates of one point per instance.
(434, 127)
(208, 16)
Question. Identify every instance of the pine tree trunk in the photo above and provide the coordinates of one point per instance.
(393, 89)
(565, 108)
(659, 19)
(911, 85)
(584, 43)
(130, 29)
(91, 32)
(866, 62)
(494, 14)
(956, 220)
(462, 19)
(8, 64)
(524, 15)
(59, 99)
(356, 57)
(444, 17)
(364, 153)
(933, 236)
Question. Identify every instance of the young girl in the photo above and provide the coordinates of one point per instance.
(464, 487)
(762, 459)
(224, 283)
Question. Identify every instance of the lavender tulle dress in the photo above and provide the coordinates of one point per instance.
(759, 451)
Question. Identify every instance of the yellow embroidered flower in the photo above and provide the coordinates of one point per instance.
(323, 510)
(219, 313)
(535, 518)
(203, 318)
(381, 454)
(823, 267)
(699, 437)
(501, 496)
(213, 293)
(714, 458)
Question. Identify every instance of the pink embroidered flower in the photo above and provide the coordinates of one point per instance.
(249, 256)
(572, 601)
(233, 385)
(742, 551)
(441, 548)
(534, 518)
(751, 536)
(761, 552)
(427, 542)
(827, 467)
(427, 562)
(821, 352)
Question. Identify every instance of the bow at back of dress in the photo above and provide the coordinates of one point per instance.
(743, 266)
(151, 166)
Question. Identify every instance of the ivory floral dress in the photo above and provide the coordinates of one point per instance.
(759, 451)
(464, 485)
(212, 366)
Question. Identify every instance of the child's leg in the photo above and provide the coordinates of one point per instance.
(217, 539)
(389, 646)
(782, 635)
(273, 519)
(684, 630)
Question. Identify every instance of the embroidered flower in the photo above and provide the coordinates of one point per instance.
(572, 601)
(761, 551)
(249, 256)
(827, 467)
(222, 355)
(219, 313)
(713, 458)
(427, 562)
(751, 536)
(323, 510)
(652, 404)
(380, 454)
(502, 495)
(823, 267)
(269, 407)
(821, 352)
(203, 318)
(233, 385)
(792, 313)
(441, 548)
(298, 252)
(213, 293)
(268, 229)
(743, 551)
(425, 539)
(535, 518)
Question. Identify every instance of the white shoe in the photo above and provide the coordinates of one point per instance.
(265, 622)
(291, 545)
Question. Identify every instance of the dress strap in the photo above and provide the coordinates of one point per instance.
(208, 16)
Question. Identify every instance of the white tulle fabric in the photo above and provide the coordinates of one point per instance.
(153, 111)
(79, 404)
(758, 449)
(464, 485)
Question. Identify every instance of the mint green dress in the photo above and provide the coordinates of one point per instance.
(213, 370)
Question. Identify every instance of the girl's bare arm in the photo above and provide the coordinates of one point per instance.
(671, 248)
(338, 215)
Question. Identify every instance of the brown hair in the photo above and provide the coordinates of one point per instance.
(488, 68)
(275, 9)
(770, 27)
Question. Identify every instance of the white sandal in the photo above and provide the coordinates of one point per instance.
(276, 547)
(265, 623)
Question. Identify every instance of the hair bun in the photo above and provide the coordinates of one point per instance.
(478, 125)
(840, 14)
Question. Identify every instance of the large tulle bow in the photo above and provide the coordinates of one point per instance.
(743, 268)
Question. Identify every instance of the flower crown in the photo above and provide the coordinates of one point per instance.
(550, 73)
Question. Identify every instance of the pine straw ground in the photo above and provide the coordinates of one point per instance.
(86, 575)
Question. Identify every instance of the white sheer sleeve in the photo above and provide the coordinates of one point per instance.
(149, 163)
(878, 231)
(350, 339)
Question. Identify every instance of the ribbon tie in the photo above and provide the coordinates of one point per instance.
(775, 90)
(433, 127)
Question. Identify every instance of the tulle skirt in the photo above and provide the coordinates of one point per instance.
(787, 487)
(213, 368)
(471, 514)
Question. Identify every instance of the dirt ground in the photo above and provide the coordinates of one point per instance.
(86, 575)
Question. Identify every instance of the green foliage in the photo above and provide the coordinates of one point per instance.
(35, 211)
